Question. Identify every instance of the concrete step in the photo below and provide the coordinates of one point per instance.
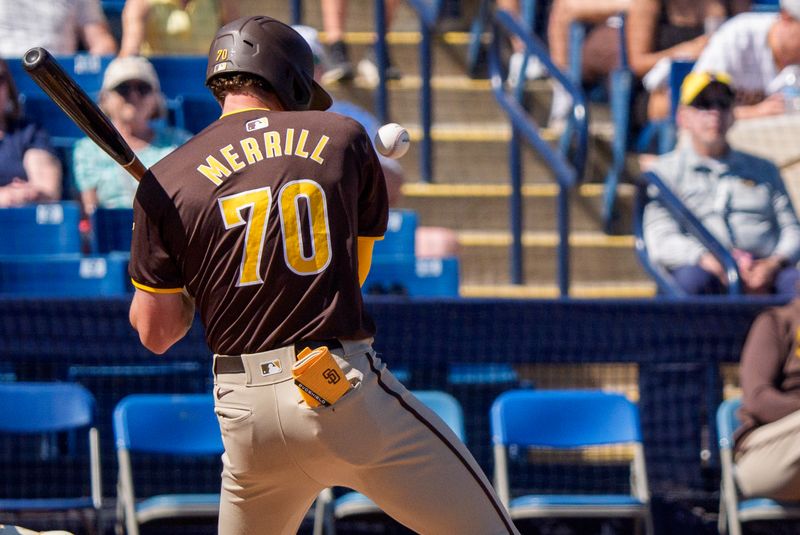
(486, 206)
(479, 155)
(449, 51)
(585, 290)
(594, 256)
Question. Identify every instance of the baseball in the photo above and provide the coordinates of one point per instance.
(392, 140)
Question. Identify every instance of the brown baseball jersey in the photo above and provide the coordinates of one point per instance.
(770, 369)
(258, 217)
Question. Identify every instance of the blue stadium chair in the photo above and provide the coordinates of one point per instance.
(69, 275)
(399, 240)
(194, 112)
(40, 229)
(85, 69)
(46, 410)
(112, 230)
(733, 511)
(354, 504)
(568, 420)
(40, 109)
(163, 425)
(414, 277)
(182, 75)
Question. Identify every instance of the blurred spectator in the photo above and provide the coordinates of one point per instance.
(132, 99)
(659, 31)
(57, 26)
(173, 27)
(431, 242)
(339, 68)
(29, 169)
(600, 48)
(739, 198)
(755, 48)
(768, 441)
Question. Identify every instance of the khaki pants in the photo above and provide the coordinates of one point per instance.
(769, 463)
(378, 439)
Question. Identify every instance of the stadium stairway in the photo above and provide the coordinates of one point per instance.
(470, 188)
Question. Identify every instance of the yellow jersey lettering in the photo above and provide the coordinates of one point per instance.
(272, 144)
(300, 149)
(252, 152)
(288, 146)
(231, 157)
(316, 155)
(214, 170)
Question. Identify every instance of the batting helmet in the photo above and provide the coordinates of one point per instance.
(273, 51)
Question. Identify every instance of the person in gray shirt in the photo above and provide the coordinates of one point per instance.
(739, 198)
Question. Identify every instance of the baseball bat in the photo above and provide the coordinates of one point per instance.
(73, 100)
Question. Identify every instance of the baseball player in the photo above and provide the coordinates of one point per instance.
(266, 220)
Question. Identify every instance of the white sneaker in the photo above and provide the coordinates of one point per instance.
(534, 70)
(561, 106)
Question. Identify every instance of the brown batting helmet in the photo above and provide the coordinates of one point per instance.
(273, 51)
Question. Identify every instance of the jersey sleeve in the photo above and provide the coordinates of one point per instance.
(155, 221)
(373, 200)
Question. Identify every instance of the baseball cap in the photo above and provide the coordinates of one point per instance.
(128, 68)
(696, 82)
(791, 7)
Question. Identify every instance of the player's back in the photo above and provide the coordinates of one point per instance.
(261, 212)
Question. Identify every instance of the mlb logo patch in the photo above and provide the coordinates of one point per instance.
(271, 367)
(257, 124)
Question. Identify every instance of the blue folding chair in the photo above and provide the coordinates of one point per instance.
(40, 229)
(733, 511)
(355, 504)
(44, 410)
(568, 420)
(165, 425)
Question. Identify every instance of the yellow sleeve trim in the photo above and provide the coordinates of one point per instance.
(234, 112)
(365, 245)
(156, 290)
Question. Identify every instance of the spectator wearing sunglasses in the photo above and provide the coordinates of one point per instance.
(741, 199)
(131, 97)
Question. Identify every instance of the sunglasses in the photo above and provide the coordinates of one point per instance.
(719, 102)
(126, 89)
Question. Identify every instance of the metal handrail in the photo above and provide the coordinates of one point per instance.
(429, 13)
(687, 219)
(567, 173)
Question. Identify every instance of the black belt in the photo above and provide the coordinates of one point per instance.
(233, 364)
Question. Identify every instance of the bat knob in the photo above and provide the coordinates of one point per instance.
(34, 57)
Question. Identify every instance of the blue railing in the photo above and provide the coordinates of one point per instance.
(568, 171)
(687, 220)
(429, 13)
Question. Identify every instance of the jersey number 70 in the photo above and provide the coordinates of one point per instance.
(259, 202)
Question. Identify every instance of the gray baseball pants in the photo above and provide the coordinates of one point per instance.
(378, 439)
